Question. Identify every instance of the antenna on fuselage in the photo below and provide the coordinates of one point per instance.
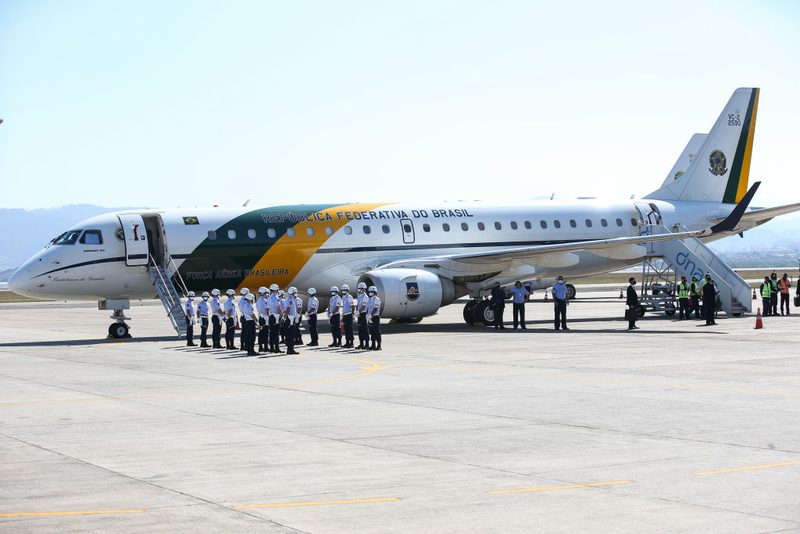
(246, 202)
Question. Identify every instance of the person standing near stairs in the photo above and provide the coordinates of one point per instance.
(202, 316)
(230, 319)
(189, 309)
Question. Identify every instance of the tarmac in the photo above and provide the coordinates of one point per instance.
(675, 427)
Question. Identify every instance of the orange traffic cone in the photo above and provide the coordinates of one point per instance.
(620, 294)
(754, 293)
(759, 324)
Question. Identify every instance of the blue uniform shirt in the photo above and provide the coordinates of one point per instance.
(519, 294)
(560, 291)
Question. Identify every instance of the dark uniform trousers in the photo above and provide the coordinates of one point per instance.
(242, 341)
(312, 327)
(519, 313)
(216, 330)
(375, 329)
(363, 333)
(347, 319)
(336, 329)
(274, 331)
(263, 333)
(203, 330)
(683, 304)
(189, 331)
(230, 331)
(561, 313)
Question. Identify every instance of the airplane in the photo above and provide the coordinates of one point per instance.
(420, 256)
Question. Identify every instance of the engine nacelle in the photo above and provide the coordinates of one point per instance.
(409, 293)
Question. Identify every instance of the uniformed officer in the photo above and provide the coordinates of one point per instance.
(313, 308)
(348, 305)
(374, 312)
(249, 324)
(361, 307)
(283, 321)
(274, 311)
(683, 299)
(217, 316)
(298, 320)
(560, 302)
(696, 294)
(290, 314)
(499, 304)
(190, 319)
(263, 327)
(229, 309)
(519, 296)
(334, 317)
(243, 293)
(766, 296)
(774, 294)
(202, 316)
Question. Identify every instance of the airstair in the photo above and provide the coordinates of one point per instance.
(690, 257)
(163, 277)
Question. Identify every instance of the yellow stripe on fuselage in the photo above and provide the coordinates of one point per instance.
(744, 177)
(290, 253)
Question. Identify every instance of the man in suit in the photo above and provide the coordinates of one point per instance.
(633, 303)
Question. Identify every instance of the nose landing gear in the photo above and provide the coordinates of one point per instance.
(118, 329)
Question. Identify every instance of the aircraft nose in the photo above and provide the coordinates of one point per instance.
(19, 282)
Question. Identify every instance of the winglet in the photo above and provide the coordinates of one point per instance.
(733, 219)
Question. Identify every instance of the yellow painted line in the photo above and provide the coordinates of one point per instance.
(573, 486)
(595, 378)
(752, 468)
(318, 503)
(87, 512)
(372, 368)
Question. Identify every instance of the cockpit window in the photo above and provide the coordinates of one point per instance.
(92, 237)
(67, 238)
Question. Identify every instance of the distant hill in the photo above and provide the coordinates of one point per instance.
(25, 232)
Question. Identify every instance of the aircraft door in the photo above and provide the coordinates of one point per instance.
(135, 239)
(408, 230)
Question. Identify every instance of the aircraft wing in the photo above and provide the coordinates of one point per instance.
(760, 216)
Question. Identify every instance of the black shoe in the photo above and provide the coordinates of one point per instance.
(292, 351)
(313, 344)
(190, 344)
(565, 328)
(332, 344)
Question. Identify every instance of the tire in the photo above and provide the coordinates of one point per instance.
(641, 311)
(469, 312)
(669, 309)
(118, 330)
(571, 291)
(484, 313)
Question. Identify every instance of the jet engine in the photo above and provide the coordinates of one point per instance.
(409, 294)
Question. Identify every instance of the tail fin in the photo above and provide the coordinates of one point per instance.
(685, 159)
(720, 169)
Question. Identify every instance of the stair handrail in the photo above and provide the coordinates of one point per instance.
(173, 273)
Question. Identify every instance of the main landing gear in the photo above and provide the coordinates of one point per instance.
(479, 312)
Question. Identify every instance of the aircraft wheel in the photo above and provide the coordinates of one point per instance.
(641, 311)
(469, 312)
(571, 291)
(669, 309)
(484, 313)
(118, 330)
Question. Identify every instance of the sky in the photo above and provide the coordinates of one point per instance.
(159, 103)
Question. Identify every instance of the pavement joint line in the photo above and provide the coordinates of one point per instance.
(85, 512)
(571, 486)
(318, 503)
(750, 468)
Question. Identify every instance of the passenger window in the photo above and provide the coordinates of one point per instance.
(588, 223)
(310, 231)
(212, 235)
(557, 223)
(231, 234)
(366, 229)
(481, 226)
(543, 224)
(572, 223)
(68, 238)
(619, 222)
(290, 232)
(271, 232)
(385, 228)
(527, 225)
(407, 228)
(92, 237)
(329, 230)
(347, 230)
(498, 226)
(513, 225)
(634, 222)
(426, 227)
(603, 223)
(251, 233)
(445, 227)
(464, 226)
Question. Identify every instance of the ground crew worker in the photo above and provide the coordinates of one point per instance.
(290, 313)
(766, 296)
(263, 326)
(632, 301)
(499, 302)
(274, 310)
(710, 300)
(230, 319)
(249, 324)
(774, 293)
(361, 306)
(313, 308)
(298, 320)
(202, 316)
(334, 316)
(348, 305)
(519, 296)
(190, 319)
(783, 286)
(374, 312)
(217, 316)
(696, 293)
(560, 302)
(243, 293)
(683, 299)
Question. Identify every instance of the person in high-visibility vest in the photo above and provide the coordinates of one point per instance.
(683, 299)
(783, 286)
(766, 296)
(774, 293)
(696, 294)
